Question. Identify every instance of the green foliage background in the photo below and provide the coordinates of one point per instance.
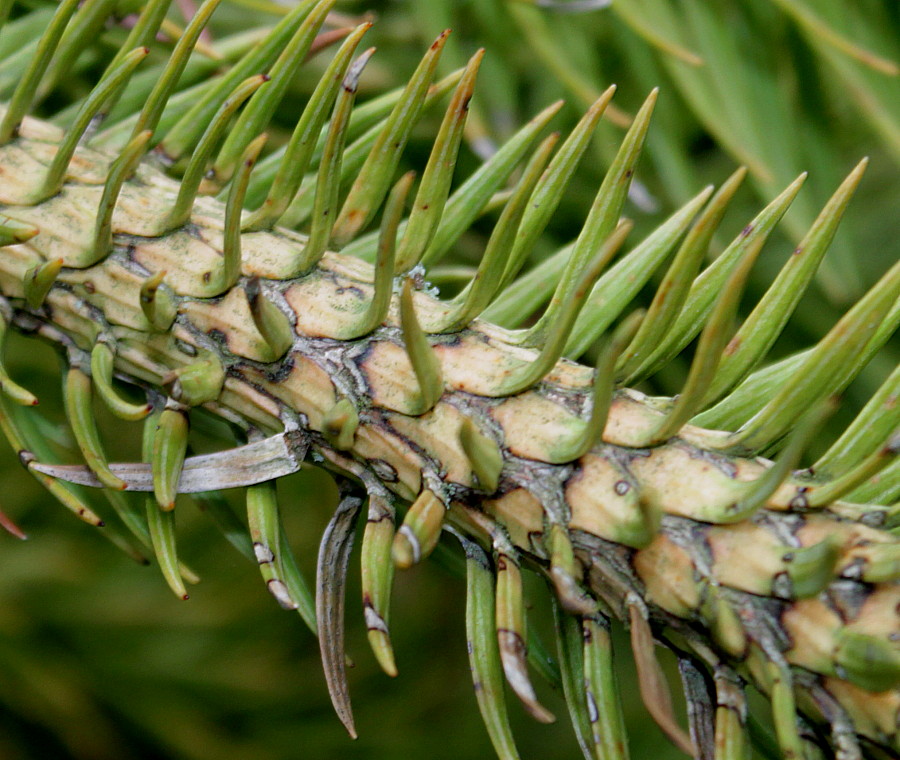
(98, 660)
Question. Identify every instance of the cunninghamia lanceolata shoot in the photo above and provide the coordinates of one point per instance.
(161, 520)
(378, 572)
(38, 280)
(102, 367)
(752, 571)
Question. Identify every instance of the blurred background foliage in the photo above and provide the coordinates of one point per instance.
(98, 660)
